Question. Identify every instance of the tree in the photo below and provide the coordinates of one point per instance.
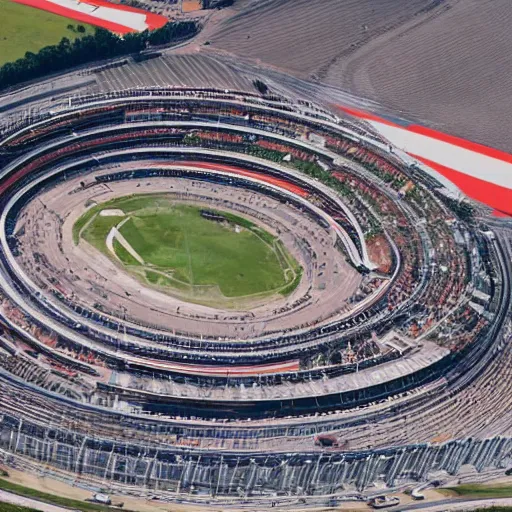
(261, 86)
(102, 45)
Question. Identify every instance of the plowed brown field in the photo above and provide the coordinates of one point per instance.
(306, 36)
(444, 63)
(454, 71)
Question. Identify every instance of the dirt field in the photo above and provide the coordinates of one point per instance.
(330, 287)
(452, 71)
(306, 36)
(379, 251)
(191, 5)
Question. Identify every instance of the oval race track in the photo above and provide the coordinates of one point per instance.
(378, 358)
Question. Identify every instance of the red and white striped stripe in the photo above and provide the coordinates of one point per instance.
(481, 172)
(118, 18)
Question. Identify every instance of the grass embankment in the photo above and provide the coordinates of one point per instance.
(183, 250)
(26, 29)
(7, 507)
(84, 506)
(481, 491)
(494, 509)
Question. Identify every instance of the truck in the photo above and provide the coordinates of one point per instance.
(384, 501)
(102, 498)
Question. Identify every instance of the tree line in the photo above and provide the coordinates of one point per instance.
(102, 45)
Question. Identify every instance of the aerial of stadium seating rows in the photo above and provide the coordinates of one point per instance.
(399, 301)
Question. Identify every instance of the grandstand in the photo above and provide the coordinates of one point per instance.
(386, 339)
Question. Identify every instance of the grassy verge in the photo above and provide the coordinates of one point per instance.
(6, 485)
(7, 507)
(494, 509)
(481, 491)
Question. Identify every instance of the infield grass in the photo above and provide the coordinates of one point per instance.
(198, 259)
(27, 29)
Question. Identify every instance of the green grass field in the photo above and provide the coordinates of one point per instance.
(26, 29)
(195, 258)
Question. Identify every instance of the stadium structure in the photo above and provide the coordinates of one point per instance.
(366, 349)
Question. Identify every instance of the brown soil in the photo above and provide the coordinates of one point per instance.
(379, 251)
(191, 5)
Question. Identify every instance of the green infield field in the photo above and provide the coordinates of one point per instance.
(26, 29)
(174, 247)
